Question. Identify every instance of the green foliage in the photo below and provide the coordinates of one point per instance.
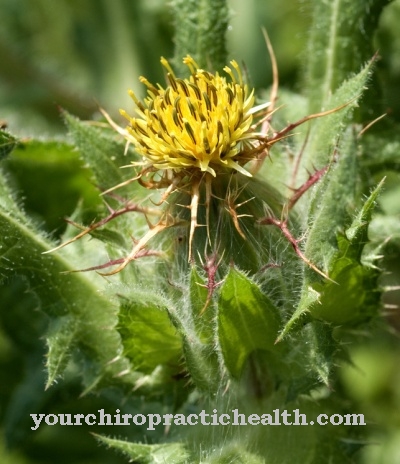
(100, 152)
(340, 41)
(200, 28)
(148, 454)
(73, 297)
(274, 317)
(147, 332)
(7, 144)
(253, 325)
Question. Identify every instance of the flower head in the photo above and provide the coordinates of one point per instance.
(190, 134)
(201, 122)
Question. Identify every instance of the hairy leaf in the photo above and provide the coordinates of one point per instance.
(102, 154)
(7, 144)
(172, 453)
(340, 39)
(202, 309)
(247, 321)
(201, 359)
(327, 130)
(353, 294)
(46, 171)
(200, 32)
(61, 340)
(148, 335)
(76, 294)
(331, 204)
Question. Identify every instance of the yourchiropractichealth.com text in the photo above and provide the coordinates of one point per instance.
(233, 418)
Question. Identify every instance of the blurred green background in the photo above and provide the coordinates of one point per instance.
(79, 55)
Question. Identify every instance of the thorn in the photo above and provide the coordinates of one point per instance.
(368, 126)
(193, 214)
(110, 209)
(282, 225)
(137, 250)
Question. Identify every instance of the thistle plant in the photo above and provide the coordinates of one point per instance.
(195, 133)
(231, 265)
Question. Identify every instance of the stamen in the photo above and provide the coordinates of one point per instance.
(175, 118)
(172, 81)
(189, 130)
(167, 98)
(134, 98)
(220, 130)
(153, 90)
(237, 69)
(185, 88)
(177, 106)
(191, 64)
(167, 66)
(207, 101)
(196, 90)
(214, 93)
(231, 96)
(228, 70)
(191, 108)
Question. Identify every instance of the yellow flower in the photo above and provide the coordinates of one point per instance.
(190, 132)
(201, 122)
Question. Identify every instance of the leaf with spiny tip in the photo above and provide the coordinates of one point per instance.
(308, 298)
(357, 233)
(174, 453)
(7, 144)
(61, 341)
(247, 320)
(73, 296)
(148, 335)
(103, 155)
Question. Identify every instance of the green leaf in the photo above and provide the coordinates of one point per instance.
(326, 130)
(103, 155)
(197, 291)
(148, 335)
(46, 171)
(73, 294)
(340, 39)
(247, 321)
(321, 347)
(331, 206)
(200, 28)
(200, 355)
(202, 315)
(357, 233)
(7, 144)
(352, 296)
(308, 297)
(60, 341)
(355, 299)
(171, 453)
(201, 362)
